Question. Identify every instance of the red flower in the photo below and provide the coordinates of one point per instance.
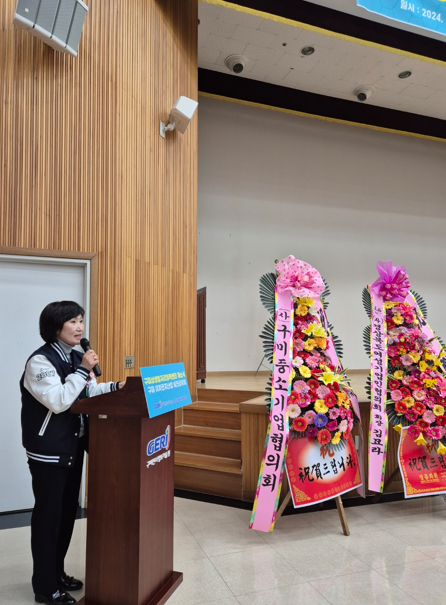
(324, 436)
(346, 434)
(293, 398)
(405, 392)
(330, 400)
(413, 431)
(393, 384)
(411, 416)
(422, 424)
(300, 424)
(332, 426)
(400, 407)
(441, 420)
(334, 386)
(313, 384)
(419, 408)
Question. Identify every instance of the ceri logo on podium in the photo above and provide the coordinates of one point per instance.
(156, 445)
(165, 388)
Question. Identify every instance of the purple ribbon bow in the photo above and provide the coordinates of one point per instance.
(393, 282)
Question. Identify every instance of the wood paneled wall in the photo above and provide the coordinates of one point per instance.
(83, 168)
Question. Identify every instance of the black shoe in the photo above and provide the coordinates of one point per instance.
(69, 583)
(59, 598)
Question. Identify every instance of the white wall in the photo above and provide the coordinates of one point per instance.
(339, 197)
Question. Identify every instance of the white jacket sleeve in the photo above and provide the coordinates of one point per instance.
(43, 382)
(103, 387)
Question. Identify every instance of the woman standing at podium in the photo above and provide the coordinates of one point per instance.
(55, 376)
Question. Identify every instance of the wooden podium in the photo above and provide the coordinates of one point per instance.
(130, 500)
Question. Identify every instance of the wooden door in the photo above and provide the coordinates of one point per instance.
(201, 334)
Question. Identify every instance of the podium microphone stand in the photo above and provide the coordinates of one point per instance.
(130, 500)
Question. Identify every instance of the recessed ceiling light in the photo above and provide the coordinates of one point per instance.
(284, 43)
(404, 74)
(307, 50)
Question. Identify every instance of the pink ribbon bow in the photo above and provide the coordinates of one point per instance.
(393, 283)
(300, 278)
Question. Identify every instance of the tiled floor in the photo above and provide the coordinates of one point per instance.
(395, 555)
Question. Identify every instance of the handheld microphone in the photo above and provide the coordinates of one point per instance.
(85, 344)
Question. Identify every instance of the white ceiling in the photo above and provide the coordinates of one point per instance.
(335, 69)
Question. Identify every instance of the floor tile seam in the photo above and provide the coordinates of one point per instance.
(343, 574)
(217, 522)
(222, 578)
(407, 593)
(380, 570)
(254, 549)
(358, 556)
(338, 573)
(321, 537)
(231, 552)
(387, 579)
(259, 592)
(274, 545)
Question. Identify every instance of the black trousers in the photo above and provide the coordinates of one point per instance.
(56, 493)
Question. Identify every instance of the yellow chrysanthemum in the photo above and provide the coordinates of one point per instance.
(429, 383)
(293, 374)
(398, 319)
(414, 356)
(305, 300)
(308, 331)
(438, 410)
(304, 371)
(320, 407)
(319, 331)
(389, 304)
(310, 344)
(433, 357)
(321, 342)
(423, 366)
(398, 374)
(409, 401)
(301, 310)
(336, 439)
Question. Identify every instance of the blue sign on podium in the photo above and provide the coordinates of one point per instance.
(165, 388)
(428, 14)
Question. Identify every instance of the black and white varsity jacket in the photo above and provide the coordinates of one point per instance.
(52, 381)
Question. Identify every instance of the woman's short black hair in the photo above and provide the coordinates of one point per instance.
(55, 315)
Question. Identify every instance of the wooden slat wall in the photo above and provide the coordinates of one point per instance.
(83, 168)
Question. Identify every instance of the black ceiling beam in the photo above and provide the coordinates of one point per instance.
(244, 89)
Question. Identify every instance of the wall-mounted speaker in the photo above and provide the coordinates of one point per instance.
(57, 22)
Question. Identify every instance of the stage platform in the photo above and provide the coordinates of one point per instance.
(250, 381)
